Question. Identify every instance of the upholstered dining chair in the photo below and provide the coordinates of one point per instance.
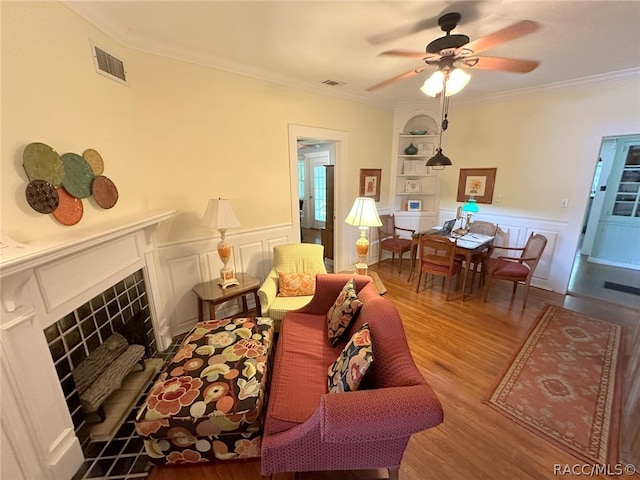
(437, 256)
(482, 228)
(515, 269)
(390, 240)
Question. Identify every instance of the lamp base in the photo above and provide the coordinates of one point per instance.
(227, 278)
(361, 268)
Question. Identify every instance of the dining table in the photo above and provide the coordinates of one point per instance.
(466, 245)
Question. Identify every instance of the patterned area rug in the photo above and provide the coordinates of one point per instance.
(563, 384)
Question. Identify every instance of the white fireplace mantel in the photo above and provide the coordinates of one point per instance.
(41, 283)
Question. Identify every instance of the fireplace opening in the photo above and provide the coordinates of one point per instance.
(75, 336)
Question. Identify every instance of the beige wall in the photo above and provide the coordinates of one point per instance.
(182, 133)
(177, 135)
(544, 145)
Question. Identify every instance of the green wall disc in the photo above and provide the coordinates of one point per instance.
(78, 175)
(41, 162)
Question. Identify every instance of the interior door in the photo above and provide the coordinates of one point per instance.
(318, 187)
(619, 224)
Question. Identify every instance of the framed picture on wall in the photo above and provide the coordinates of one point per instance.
(477, 183)
(414, 205)
(370, 182)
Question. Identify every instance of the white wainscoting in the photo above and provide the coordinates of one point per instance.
(185, 264)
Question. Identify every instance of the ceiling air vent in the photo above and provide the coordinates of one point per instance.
(333, 83)
(108, 65)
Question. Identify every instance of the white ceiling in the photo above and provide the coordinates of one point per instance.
(303, 43)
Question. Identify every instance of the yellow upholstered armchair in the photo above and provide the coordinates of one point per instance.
(293, 258)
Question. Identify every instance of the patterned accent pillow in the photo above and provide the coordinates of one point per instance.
(296, 284)
(342, 312)
(346, 373)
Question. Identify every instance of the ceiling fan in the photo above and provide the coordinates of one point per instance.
(457, 51)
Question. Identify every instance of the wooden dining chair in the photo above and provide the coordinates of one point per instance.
(390, 240)
(515, 269)
(482, 228)
(437, 256)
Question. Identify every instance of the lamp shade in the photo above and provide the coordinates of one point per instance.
(439, 160)
(363, 213)
(471, 206)
(219, 214)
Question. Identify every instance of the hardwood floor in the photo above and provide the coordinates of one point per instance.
(460, 348)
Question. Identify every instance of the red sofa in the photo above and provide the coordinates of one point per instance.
(309, 429)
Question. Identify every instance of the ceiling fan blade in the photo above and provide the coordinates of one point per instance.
(517, 30)
(407, 54)
(468, 10)
(396, 79)
(403, 31)
(513, 65)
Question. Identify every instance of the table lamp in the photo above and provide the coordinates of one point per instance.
(219, 215)
(363, 215)
(470, 207)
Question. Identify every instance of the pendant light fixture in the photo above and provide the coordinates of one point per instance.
(440, 160)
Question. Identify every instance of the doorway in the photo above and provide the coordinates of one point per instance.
(302, 213)
(605, 266)
(316, 194)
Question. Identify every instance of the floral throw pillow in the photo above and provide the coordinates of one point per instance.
(342, 312)
(346, 373)
(296, 284)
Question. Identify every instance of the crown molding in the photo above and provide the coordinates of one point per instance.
(135, 41)
(129, 39)
(593, 80)
(95, 16)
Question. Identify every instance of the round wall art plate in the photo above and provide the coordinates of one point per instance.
(105, 192)
(70, 209)
(78, 175)
(42, 196)
(94, 159)
(41, 162)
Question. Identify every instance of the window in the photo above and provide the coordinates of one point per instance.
(320, 193)
(301, 179)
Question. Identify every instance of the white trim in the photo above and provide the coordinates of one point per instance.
(341, 162)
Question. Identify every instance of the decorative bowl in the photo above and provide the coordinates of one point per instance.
(418, 132)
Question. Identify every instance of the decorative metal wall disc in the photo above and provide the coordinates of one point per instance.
(41, 162)
(94, 159)
(42, 196)
(104, 192)
(70, 210)
(78, 175)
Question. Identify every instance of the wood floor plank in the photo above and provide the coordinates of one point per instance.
(460, 348)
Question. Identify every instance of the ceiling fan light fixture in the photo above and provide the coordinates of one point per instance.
(457, 80)
(433, 85)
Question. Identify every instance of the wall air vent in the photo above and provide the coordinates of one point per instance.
(108, 65)
(333, 83)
